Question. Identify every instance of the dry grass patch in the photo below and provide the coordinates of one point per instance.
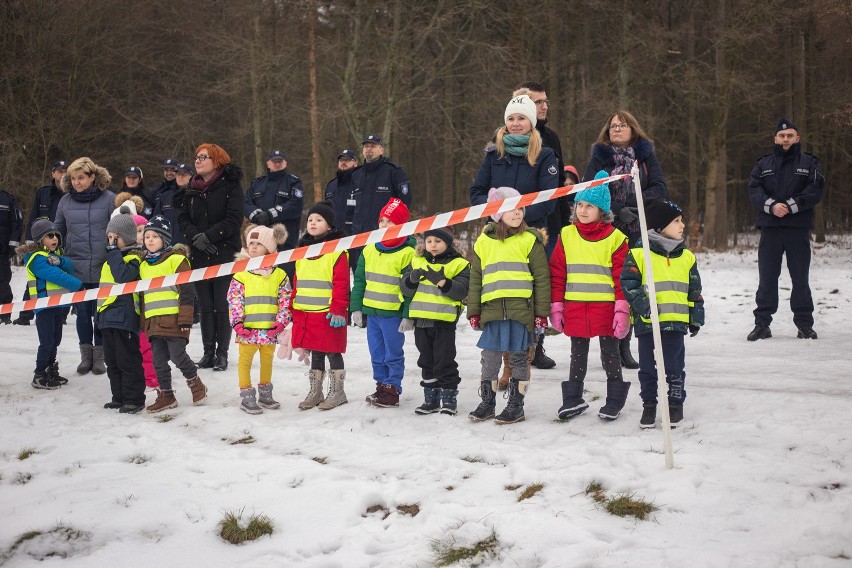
(232, 529)
(25, 453)
(530, 490)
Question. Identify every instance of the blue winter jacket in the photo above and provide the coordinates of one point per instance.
(121, 314)
(62, 275)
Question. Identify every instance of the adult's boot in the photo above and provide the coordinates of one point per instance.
(514, 411)
(506, 376)
(85, 359)
(208, 340)
(336, 396)
(627, 360)
(488, 394)
(223, 341)
(315, 396)
(572, 400)
(616, 396)
(98, 364)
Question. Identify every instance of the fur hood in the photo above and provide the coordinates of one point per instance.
(28, 248)
(102, 180)
(539, 233)
(604, 152)
(232, 172)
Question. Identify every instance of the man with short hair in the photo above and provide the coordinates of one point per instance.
(784, 188)
(339, 192)
(164, 199)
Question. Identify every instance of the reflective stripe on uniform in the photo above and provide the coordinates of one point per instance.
(315, 282)
(588, 277)
(260, 297)
(382, 272)
(672, 288)
(428, 301)
(505, 266)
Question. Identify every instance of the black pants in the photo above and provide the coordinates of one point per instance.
(774, 243)
(437, 361)
(165, 349)
(124, 366)
(610, 358)
(6, 295)
(49, 327)
(27, 315)
(674, 360)
(335, 361)
(213, 310)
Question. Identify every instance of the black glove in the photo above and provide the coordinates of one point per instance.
(628, 214)
(201, 242)
(693, 330)
(416, 275)
(211, 250)
(53, 260)
(435, 276)
(263, 218)
(111, 245)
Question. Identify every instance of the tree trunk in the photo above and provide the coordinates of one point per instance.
(256, 113)
(312, 71)
(692, 135)
(716, 205)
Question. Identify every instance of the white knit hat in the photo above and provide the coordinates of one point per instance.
(521, 105)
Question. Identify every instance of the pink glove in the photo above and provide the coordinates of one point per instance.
(557, 316)
(285, 348)
(303, 355)
(275, 330)
(474, 322)
(241, 331)
(621, 320)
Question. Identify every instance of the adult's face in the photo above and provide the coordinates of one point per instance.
(182, 178)
(57, 175)
(276, 165)
(518, 124)
(81, 181)
(620, 132)
(131, 181)
(204, 165)
(169, 173)
(372, 151)
(345, 164)
(786, 138)
(541, 104)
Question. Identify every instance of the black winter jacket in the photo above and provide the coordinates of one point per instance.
(44, 206)
(11, 223)
(167, 204)
(338, 191)
(792, 177)
(121, 314)
(561, 215)
(375, 183)
(455, 289)
(281, 195)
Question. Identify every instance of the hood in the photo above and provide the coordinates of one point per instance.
(102, 179)
(29, 248)
(232, 172)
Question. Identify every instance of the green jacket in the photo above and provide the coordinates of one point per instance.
(356, 301)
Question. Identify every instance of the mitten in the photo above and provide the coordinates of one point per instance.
(540, 325)
(285, 349)
(407, 324)
(275, 330)
(557, 316)
(435, 276)
(335, 320)
(358, 319)
(303, 355)
(693, 330)
(241, 331)
(262, 218)
(621, 319)
(416, 275)
(474, 322)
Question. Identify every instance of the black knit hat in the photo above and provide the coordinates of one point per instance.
(444, 233)
(660, 212)
(325, 210)
(784, 124)
(162, 227)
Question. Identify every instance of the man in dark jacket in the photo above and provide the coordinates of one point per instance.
(164, 195)
(376, 182)
(11, 226)
(784, 188)
(339, 192)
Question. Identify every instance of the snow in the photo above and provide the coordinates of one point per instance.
(761, 478)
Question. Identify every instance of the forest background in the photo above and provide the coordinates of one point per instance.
(133, 82)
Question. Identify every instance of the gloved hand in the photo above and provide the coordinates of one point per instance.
(358, 319)
(211, 250)
(262, 218)
(416, 275)
(540, 325)
(557, 316)
(335, 320)
(241, 331)
(111, 245)
(621, 319)
(628, 214)
(693, 330)
(54, 260)
(275, 330)
(303, 355)
(474, 323)
(201, 242)
(407, 324)
(435, 276)
(285, 347)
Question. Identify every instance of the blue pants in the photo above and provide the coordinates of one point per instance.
(386, 350)
(774, 243)
(87, 332)
(49, 327)
(674, 359)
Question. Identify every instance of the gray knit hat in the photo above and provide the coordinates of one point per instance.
(125, 227)
(41, 227)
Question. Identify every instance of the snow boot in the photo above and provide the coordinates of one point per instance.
(165, 400)
(506, 376)
(208, 340)
(627, 360)
(336, 396)
(221, 362)
(616, 396)
(572, 400)
(85, 359)
(21, 320)
(540, 359)
(649, 415)
(6, 319)
(514, 411)
(198, 390)
(315, 376)
(487, 391)
(675, 414)
(806, 332)
(388, 397)
(760, 331)
(131, 408)
(249, 401)
(448, 401)
(98, 365)
(223, 340)
(431, 401)
(113, 404)
(265, 399)
(53, 371)
(41, 380)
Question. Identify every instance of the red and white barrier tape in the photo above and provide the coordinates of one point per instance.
(273, 259)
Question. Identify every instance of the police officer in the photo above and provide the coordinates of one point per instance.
(785, 187)
(164, 195)
(11, 226)
(340, 192)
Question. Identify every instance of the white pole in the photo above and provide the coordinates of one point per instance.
(662, 387)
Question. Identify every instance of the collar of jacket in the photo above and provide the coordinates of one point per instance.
(443, 258)
(655, 243)
(373, 166)
(794, 150)
(604, 152)
(594, 231)
(307, 239)
(277, 176)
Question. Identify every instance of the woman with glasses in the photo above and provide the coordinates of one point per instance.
(210, 219)
(620, 144)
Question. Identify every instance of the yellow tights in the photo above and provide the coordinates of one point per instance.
(247, 352)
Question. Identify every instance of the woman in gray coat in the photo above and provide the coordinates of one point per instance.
(82, 217)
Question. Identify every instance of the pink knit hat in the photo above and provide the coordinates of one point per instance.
(139, 220)
(498, 193)
(269, 237)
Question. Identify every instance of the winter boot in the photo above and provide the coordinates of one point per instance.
(208, 340)
(336, 396)
(221, 362)
(41, 380)
(806, 332)
(540, 359)
(760, 331)
(487, 391)
(165, 400)
(616, 396)
(21, 320)
(572, 400)
(98, 365)
(6, 319)
(315, 394)
(207, 360)
(131, 408)
(388, 397)
(514, 411)
(223, 340)
(675, 414)
(53, 371)
(85, 359)
(265, 399)
(198, 390)
(448, 401)
(113, 404)
(371, 397)
(431, 401)
(649, 415)
(627, 360)
(506, 376)
(249, 402)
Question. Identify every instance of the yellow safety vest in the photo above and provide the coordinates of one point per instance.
(164, 301)
(260, 303)
(589, 277)
(505, 266)
(107, 279)
(314, 282)
(382, 270)
(671, 281)
(50, 288)
(428, 301)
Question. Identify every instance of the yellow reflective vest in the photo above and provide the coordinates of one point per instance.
(50, 288)
(671, 281)
(107, 279)
(164, 301)
(589, 277)
(314, 282)
(260, 298)
(505, 266)
(382, 271)
(428, 301)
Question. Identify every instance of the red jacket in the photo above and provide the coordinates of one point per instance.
(586, 319)
(311, 330)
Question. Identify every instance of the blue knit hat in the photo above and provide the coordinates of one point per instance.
(598, 195)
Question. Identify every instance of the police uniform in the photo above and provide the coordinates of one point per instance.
(281, 196)
(11, 225)
(166, 204)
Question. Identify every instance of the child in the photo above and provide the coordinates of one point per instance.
(679, 301)
(167, 315)
(118, 317)
(509, 285)
(438, 282)
(320, 307)
(586, 298)
(376, 293)
(48, 274)
(259, 310)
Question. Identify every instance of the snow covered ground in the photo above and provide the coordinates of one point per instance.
(761, 478)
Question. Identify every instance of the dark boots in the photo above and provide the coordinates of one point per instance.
(448, 401)
(208, 340)
(649, 415)
(675, 414)
(540, 359)
(616, 396)
(760, 331)
(572, 400)
(431, 401)
(223, 340)
(627, 360)
(514, 411)
(485, 410)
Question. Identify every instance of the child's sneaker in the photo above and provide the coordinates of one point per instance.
(165, 400)
(41, 380)
(649, 415)
(198, 390)
(675, 414)
(386, 397)
(249, 402)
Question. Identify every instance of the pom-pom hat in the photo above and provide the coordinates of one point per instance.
(125, 227)
(268, 237)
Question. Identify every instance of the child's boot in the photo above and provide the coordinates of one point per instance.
(448, 401)
(649, 415)
(315, 394)
(514, 411)
(265, 399)
(504, 379)
(53, 371)
(572, 400)
(616, 396)
(198, 390)
(41, 380)
(98, 365)
(165, 400)
(336, 396)
(431, 401)
(388, 397)
(249, 401)
(85, 359)
(675, 414)
(485, 410)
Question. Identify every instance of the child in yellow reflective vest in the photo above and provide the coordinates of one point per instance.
(259, 310)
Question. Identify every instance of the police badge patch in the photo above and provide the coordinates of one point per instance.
(403, 188)
(298, 193)
(552, 170)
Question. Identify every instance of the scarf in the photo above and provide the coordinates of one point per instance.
(516, 144)
(665, 243)
(199, 184)
(85, 196)
(153, 257)
(622, 190)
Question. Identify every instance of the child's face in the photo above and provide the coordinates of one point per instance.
(513, 218)
(384, 223)
(586, 212)
(115, 238)
(674, 230)
(153, 241)
(50, 241)
(254, 249)
(140, 234)
(317, 225)
(435, 246)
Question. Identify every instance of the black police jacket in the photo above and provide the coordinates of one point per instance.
(792, 177)
(167, 204)
(339, 192)
(281, 195)
(11, 223)
(44, 206)
(375, 183)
